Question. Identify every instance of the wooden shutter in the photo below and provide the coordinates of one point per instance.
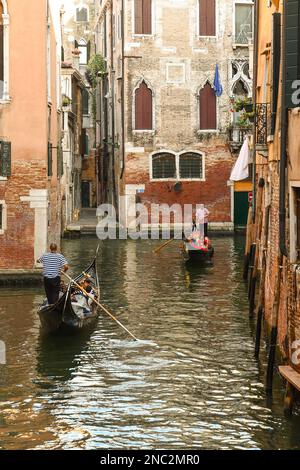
(76, 44)
(5, 159)
(143, 108)
(49, 159)
(208, 108)
(1, 54)
(275, 66)
(88, 52)
(138, 16)
(60, 161)
(207, 20)
(147, 16)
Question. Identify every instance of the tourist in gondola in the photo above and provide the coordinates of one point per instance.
(53, 264)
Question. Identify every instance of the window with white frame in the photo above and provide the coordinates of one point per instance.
(164, 166)
(83, 48)
(82, 14)
(243, 22)
(2, 217)
(183, 166)
(190, 166)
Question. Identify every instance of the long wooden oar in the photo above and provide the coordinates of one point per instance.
(100, 305)
(163, 245)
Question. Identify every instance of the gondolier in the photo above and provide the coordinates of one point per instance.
(53, 264)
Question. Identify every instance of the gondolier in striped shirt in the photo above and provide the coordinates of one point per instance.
(53, 264)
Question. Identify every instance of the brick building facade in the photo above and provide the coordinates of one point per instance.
(274, 226)
(29, 130)
(164, 135)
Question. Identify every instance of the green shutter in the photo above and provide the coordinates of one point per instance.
(60, 161)
(5, 159)
(292, 43)
(88, 51)
(49, 159)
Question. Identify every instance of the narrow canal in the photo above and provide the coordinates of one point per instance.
(191, 383)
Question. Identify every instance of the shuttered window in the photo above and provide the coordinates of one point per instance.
(5, 159)
(143, 16)
(208, 108)
(143, 108)
(297, 199)
(60, 161)
(207, 17)
(85, 101)
(163, 166)
(49, 159)
(190, 166)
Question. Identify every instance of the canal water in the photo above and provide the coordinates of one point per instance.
(191, 382)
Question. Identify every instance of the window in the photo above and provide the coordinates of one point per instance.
(82, 14)
(143, 108)
(243, 23)
(143, 16)
(49, 159)
(5, 159)
(3, 218)
(190, 166)
(163, 166)
(207, 18)
(85, 101)
(208, 108)
(84, 48)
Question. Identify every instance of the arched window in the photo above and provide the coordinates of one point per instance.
(82, 14)
(208, 108)
(143, 16)
(240, 91)
(84, 47)
(1, 52)
(143, 108)
(4, 51)
(191, 165)
(163, 166)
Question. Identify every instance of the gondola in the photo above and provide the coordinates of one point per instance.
(196, 251)
(66, 317)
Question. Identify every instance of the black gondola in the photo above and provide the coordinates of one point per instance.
(193, 251)
(65, 317)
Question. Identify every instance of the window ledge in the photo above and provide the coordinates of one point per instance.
(5, 101)
(235, 45)
(142, 36)
(207, 37)
(2, 232)
(137, 132)
(3, 178)
(208, 131)
(158, 180)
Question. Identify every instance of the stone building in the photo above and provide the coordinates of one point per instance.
(78, 48)
(274, 229)
(163, 133)
(29, 130)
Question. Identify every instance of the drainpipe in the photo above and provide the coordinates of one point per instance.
(283, 153)
(255, 66)
(123, 89)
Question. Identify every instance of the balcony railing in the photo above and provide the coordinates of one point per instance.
(263, 123)
(237, 136)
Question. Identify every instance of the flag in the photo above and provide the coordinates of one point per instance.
(217, 83)
(240, 170)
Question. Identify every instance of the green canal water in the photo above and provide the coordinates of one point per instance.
(192, 382)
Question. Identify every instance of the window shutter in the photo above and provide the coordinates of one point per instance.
(292, 62)
(60, 161)
(208, 108)
(49, 159)
(76, 44)
(1, 54)
(143, 108)
(207, 11)
(138, 16)
(5, 159)
(147, 16)
(275, 66)
(88, 51)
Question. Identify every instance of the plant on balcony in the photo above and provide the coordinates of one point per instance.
(95, 68)
(66, 101)
(243, 121)
(240, 104)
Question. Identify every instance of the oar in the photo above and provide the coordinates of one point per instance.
(100, 305)
(163, 245)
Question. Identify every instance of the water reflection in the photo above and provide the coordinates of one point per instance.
(192, 381)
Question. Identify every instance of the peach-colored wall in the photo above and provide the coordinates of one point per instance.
(23, 121)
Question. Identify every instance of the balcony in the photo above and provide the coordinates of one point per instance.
(237, 136)
(262, 127)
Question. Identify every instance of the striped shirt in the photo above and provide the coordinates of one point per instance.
(52, 264)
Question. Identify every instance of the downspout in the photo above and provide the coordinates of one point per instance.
(123, 89)
(283, 153)
(255, 66)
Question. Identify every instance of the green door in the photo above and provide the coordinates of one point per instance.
(241, 206)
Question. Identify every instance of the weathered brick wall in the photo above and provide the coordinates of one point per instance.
(17, 242)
